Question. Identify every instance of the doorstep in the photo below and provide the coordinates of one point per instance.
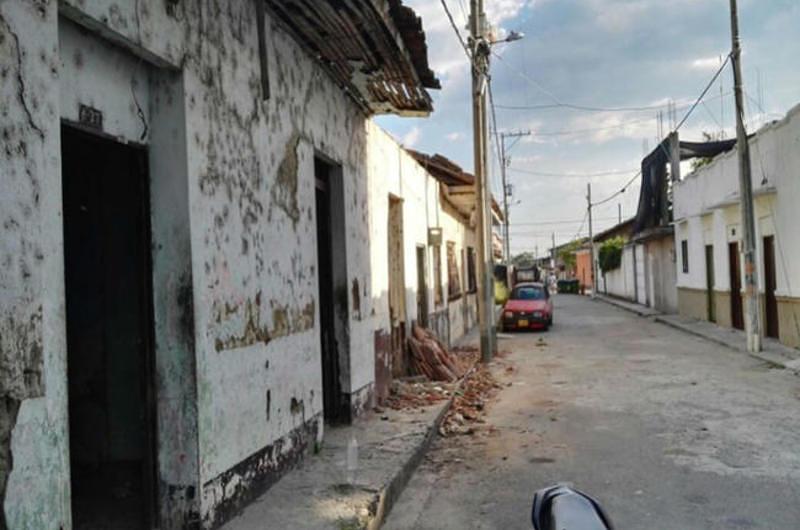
(316, 494)
(772, 351)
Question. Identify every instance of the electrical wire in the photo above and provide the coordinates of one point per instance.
(703, 93)
(455, 28)
(572, 175)
(559, 222)
(494, 126)
(620, 192)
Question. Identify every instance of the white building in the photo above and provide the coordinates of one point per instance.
(708, 234)
(199, 221)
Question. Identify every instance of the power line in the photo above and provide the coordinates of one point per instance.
(558, 222)
(703, 93)
(455, 28)
(620, 192)
(572, 175)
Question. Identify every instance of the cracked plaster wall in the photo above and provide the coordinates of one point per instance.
(236, 289)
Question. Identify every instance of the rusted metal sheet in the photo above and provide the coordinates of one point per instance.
(374, 49)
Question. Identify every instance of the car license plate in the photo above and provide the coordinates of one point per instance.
(522, 323)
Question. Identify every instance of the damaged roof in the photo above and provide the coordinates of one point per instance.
(459, 185)
(375, 49)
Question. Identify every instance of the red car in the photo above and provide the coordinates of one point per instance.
(528, 307)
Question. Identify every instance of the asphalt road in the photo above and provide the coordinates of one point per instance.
(667, 430)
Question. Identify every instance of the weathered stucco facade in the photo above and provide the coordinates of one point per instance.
(708, 227)
(234, 279)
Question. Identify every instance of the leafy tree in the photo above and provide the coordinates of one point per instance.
(567, 253)
(609, 257)
(523, 259)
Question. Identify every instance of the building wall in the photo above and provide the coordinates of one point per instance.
(392, 171)
(707, 213)
(238, 371)
(660, 263)
(583, 268)
(619, 282)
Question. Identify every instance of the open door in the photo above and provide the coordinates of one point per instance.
(770, 285)
(109, 332)
(737, 309)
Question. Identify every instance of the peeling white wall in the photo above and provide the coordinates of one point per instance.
(235, 254)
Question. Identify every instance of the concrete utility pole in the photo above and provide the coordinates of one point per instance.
(752, 310)
(503, 165)
(591, 236)
(553, 252)
(479, 46)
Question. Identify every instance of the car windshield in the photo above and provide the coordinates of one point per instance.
(528, 293)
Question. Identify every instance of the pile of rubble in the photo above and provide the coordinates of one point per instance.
(429, 357)
(469, 404)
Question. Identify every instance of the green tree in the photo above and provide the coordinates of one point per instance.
(567, 253)
(523, 259)
(609, 257)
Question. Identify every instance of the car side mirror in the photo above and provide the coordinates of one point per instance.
(565, 508)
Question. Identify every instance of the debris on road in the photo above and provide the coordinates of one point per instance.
(469, 404)
(406, 395)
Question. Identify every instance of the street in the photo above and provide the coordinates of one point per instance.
(666, 430)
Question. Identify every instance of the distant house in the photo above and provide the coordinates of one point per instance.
(708, 234)
(619, 281)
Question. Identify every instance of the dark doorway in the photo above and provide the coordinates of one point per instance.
(712, 312)
(109, 332)
(737, 315)
(333, 314)
(422, 289)
(770, 285)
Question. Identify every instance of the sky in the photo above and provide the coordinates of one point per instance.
(603, 54)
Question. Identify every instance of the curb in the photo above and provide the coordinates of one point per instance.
(388, 495)
(761, 356)
(626, 307)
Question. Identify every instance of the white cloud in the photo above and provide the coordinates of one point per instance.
(454, 136)
(705, 63)
(411, 138)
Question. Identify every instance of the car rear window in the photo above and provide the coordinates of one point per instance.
(528, 293)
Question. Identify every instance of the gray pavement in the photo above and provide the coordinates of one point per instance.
(668, 430)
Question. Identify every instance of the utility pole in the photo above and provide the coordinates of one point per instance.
(553, 252)
(479, 46)
(591, 236)
(619, 212)
(752, 311)
(503, 165)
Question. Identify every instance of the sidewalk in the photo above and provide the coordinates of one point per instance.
(772, 351)
(641, 310)
(316, 494)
